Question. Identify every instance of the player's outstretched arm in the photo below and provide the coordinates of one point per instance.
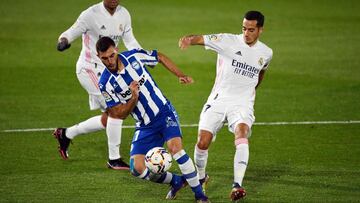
(188, 40)
(121, 111)
(171, 66)
(63, 44)
(81, 25)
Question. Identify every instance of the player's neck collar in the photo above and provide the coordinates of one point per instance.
(123, 60)
(121, 64)
(253, 45)
(105, 10)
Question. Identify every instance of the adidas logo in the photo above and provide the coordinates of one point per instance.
(238, 53)
(103, 27)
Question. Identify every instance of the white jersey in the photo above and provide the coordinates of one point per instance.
(237, 69)
(96, 22)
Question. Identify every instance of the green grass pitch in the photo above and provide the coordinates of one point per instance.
(314, 76)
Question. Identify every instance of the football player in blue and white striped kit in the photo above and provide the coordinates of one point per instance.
(128, 88)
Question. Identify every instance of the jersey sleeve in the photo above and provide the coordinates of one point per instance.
(149, 58)
(128, 38)
(267, 60)
(78, 28)
(215, 42)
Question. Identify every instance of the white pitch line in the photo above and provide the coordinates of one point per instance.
(196, 125)
(307, 123)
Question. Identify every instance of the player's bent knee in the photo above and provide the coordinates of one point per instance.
(173, 149)
(174, 145)
(203, 145)
(204, 139)
(242, 130)
(104, 118)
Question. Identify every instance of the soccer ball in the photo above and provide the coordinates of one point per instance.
(158, 160)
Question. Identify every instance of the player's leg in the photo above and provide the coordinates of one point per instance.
(241, 159)
(87, 75)
(240, 122)
(187, 168)
(88, 80)
(201, 156)
(172, 135)
(139, 170)
(137, 161)
(65, 135)
(96, 123)
(211, 121)
(90, 125)
(114, 132)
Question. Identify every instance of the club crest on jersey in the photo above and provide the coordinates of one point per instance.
(121, 28)
(170, 122)
(135, 65)
(149, 52)
(106, 96)
(261, 61)
(213, 37)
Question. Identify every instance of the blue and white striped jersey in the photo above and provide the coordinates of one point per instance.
(115, 86)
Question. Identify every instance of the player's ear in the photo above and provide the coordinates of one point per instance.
(261, 29)
(116, 49)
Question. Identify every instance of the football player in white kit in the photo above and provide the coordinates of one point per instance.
(106, 18)
(241, 64)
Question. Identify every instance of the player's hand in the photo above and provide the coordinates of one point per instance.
(184, 42)
(63, 44)
(186, 79)
(135, 89)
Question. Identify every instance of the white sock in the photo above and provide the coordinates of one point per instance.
(164, 178)
(187, 168)
(145, 174)
(113, 132)
(90, 125)
(241, 159)
(200, 158)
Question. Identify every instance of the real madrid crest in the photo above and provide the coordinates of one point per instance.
(121, 28)
(261, 61)
(213, 37)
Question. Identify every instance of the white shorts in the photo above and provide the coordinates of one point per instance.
(88, 75)
(215, 114)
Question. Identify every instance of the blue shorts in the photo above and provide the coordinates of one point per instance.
(162, 128)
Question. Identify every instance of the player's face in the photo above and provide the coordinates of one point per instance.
(111, 4)
(251, 31)
(109, 58)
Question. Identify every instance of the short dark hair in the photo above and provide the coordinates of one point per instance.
(104, 43)
(255, 15)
